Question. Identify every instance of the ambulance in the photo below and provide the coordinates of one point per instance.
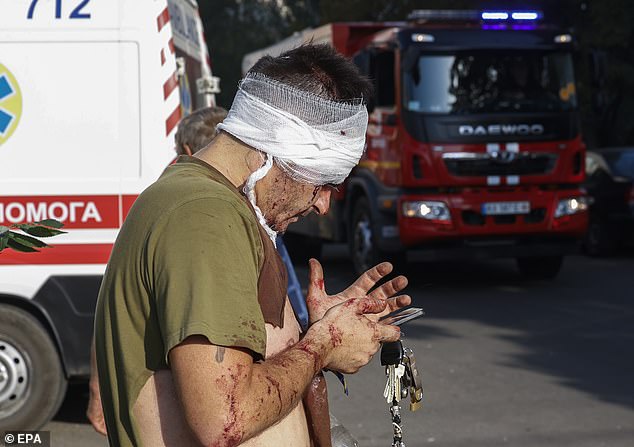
(91, 92)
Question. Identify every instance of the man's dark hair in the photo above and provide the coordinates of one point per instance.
(198, 128)
(317, 69)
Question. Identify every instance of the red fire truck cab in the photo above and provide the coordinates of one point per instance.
(474, 147)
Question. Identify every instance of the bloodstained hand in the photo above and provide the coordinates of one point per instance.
(318, 301)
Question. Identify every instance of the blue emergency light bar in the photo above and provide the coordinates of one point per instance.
(525, 15)
(515, 15)
(493, 15)
(471, 15)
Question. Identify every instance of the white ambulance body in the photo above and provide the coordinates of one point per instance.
(91, 92)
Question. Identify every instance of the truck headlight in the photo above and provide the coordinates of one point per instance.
(427, 210)
(571, 206)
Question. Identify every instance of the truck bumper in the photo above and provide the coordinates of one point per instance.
(470, 233)
(490, 248)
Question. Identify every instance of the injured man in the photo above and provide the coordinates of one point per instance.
(196, 342)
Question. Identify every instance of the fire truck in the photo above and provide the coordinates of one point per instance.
(91, 93)
(474, 148)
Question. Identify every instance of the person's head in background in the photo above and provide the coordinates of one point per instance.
(197, 129)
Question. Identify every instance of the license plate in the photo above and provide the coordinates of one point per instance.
(502, 208)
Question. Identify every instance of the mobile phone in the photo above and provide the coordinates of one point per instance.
(401, 316)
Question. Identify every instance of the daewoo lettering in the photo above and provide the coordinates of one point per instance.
(501, 129)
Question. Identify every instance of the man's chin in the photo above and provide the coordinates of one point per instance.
(281, 227)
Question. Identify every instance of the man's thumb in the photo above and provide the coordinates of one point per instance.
(388, 333)
(316, 274)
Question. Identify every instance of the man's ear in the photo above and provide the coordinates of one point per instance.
(188, 150)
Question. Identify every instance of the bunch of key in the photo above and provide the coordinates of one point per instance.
(402, 380)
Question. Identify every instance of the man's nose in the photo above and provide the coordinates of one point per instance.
(323, 201)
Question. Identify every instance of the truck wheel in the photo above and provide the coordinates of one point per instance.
(362, 247)
(32, 381)
(540, 267)
(362, 241)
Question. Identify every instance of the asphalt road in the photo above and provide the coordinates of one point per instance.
(504, 361)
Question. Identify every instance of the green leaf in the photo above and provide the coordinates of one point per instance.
(4, 240)
(17, 246)
(39, 230)
(25, 240)
(50, 223)
(43, 231)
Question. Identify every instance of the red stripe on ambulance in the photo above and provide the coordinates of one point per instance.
(170, 85)
(87, 212)
(173, 120)
(59, 254)
(163, 19)
(126, 204)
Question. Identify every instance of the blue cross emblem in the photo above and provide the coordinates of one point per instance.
(6, 91)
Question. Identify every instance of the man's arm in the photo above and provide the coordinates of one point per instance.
(317, 414)
(227, 398)
(94, 412)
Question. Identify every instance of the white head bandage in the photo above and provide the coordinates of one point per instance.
(249, 191)
(313, 139)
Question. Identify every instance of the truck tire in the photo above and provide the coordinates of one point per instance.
(362, 241)
(32, 380)
(540, 267)
(363, 249)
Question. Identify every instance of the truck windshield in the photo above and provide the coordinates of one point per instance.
(489, 82)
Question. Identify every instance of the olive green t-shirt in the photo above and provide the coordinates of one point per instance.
(186, 262)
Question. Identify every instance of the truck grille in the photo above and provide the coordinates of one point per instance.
(468, 164)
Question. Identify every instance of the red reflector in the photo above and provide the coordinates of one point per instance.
(561, 222)
(443, 225)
